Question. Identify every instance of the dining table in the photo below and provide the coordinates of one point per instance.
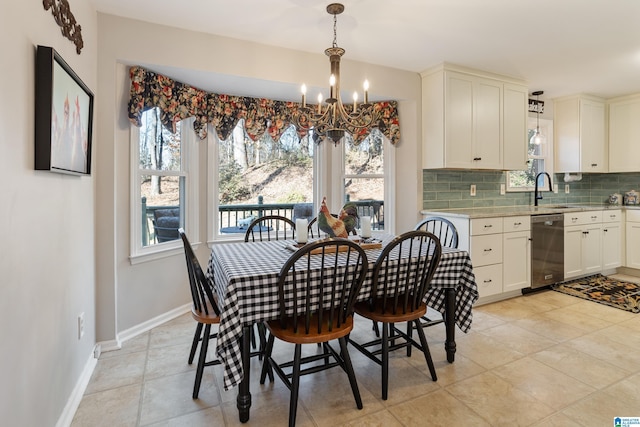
(245, 278)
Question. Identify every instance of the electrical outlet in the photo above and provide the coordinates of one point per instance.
(555, 188)
(502, 190)
(80, 325)
(472, 192)
(566, 188)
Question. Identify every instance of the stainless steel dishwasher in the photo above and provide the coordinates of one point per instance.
(547, 250)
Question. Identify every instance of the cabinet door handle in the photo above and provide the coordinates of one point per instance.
(605, 230)
(488, 281)
(515, 224)
(594, 217)
(477, 158)
(593, 165)
(488, 250)
(574, 219)
(488, 226)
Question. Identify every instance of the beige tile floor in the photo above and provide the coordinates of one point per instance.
(544, 359)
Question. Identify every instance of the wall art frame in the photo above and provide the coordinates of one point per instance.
(63, 116)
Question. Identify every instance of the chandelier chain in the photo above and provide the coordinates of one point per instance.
(335, 31)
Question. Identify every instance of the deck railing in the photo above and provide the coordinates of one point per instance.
(235, 218)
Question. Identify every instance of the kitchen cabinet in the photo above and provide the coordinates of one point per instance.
(514, 136)
(580, 134)
(500, 250)
(582, 243)
(624, 134)
(611, 239)
(516, 253)
(485, 249)
(473, 120)
(632, 232)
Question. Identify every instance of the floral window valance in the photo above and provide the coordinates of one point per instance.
(178, 101)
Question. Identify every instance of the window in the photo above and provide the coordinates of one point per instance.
(265, 177)
(364, 176)
(540, 160)
(162, 191)
(256, 178)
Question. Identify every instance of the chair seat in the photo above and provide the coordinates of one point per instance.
(314, 336)
(202, 317)
(377, 315)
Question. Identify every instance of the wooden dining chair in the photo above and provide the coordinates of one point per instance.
(401, 277)
(204, 310)
(317, 289)
(442, 228)
(270, 227)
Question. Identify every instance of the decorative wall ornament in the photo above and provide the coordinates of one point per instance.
(178, 101)
(64, 18)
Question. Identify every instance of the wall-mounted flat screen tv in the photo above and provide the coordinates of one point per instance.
(63, 116)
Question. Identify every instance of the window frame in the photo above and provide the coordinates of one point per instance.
(546, 128)
(388, 163)
(188, 170)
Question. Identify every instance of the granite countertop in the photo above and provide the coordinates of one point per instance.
(521, 210)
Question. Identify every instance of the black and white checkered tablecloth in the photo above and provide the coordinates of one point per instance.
(245, 276)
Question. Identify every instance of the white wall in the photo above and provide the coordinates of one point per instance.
(47, 269)
(128, 295)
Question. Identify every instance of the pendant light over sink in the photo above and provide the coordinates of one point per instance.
(537, 138)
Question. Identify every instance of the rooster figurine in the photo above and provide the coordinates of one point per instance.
(341, 226)
(349, 215)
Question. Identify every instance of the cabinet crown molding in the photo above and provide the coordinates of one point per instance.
(447, 66)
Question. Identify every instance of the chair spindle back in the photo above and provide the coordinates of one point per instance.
(270, 227)
(340, 266)
(442, 228)
(403, 272)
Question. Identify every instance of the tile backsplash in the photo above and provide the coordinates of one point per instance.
(449, 189)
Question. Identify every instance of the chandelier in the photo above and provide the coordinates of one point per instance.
(333, 119)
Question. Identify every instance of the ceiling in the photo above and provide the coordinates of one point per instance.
(563, 47)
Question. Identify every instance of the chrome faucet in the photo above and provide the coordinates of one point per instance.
(536, 195)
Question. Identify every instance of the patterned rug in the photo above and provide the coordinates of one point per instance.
(604, 290)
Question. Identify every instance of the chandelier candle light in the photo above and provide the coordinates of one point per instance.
(335, 119)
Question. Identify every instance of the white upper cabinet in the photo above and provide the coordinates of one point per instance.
(580, 134)
(472, 120)
(514, 136)
(624, 134)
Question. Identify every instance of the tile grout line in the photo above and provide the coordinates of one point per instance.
(144, 379)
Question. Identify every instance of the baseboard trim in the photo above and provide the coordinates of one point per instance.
(78, 391)
(75, 398)
(110, 345)
(150, 324)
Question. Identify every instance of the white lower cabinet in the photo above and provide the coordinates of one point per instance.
(485, 249)
(582, 243)
(632, 233)
(500, 250)
(488, 279)
(516, 260)
(516, 253)
(611, 239)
